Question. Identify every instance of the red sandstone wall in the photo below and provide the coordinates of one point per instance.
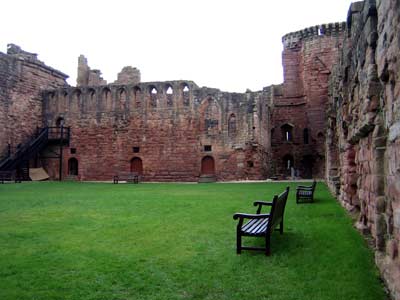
(22, 78)
(365, 94)
(171, 131)
(301, 101)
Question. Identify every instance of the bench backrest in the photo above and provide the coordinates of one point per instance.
(277, 210)
(314, 185)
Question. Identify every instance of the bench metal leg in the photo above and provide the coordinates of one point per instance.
(238, 243)
(268, 245)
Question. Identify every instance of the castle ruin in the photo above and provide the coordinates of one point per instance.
(336, 117)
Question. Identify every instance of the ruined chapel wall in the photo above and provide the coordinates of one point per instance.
(171, 130)
(22, 79)
(365, 94)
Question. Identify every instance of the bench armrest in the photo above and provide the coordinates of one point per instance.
(260, 205)
(250, 216)
(258, 202)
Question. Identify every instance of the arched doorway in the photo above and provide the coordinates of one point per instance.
(207, 165)
(60, 122)
(308, 163)
(137, 165)
(73, 166)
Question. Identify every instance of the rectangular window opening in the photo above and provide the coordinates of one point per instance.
(136, 149)
(207, 148)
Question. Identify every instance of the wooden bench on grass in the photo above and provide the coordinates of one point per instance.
(129, 177)
(261, 225)
(9, 176)
(305, 193)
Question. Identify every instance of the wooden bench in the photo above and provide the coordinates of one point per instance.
(305, 193)
(261, 225)
(9, 176)
(130, 177)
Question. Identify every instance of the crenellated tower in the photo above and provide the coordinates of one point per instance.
(299, 104)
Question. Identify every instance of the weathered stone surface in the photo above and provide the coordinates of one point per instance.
(394, 131)
(367, 78)
(128, 75)
(170, 124)
(22, 80)
(336, 115)
(87, 76)
(308, 58)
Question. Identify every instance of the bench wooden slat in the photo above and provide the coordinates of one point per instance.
(255, 227)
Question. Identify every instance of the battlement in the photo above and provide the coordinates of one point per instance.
(331, 29)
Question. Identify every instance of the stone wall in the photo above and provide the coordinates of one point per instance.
(169, 126)
(22, 79)
(300, 102)
(363, 142)
(86, 76)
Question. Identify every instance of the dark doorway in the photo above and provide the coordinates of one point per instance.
(60, 122)
(137, 165)
(207, 166)
(307, 162)
(288, 164)
(73, 166)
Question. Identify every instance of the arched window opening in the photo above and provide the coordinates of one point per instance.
(63, 101)
(185, 94)
(287, 132)
(153, 96)
(137, 166)
(320, 135)
(207, 165)
(60, 122)
(211, 117)
(76, 100)
(73, 166)
(91, 105)
(51, 96)
(107, 99)
(136, 93)
(123, 99)
(232, 125)
(305, 136)
(169, 93)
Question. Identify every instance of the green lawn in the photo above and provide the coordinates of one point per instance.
(174, 241)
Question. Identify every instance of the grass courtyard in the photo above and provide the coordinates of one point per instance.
(174, 241)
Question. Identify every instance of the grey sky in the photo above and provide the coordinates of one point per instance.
(226, 44)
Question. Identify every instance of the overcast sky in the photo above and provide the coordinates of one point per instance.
(227, 44)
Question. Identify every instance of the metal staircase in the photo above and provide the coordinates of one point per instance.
(18, 162)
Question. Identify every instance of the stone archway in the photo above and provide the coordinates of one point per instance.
(137, 165)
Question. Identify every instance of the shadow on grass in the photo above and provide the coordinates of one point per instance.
(288, 243)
